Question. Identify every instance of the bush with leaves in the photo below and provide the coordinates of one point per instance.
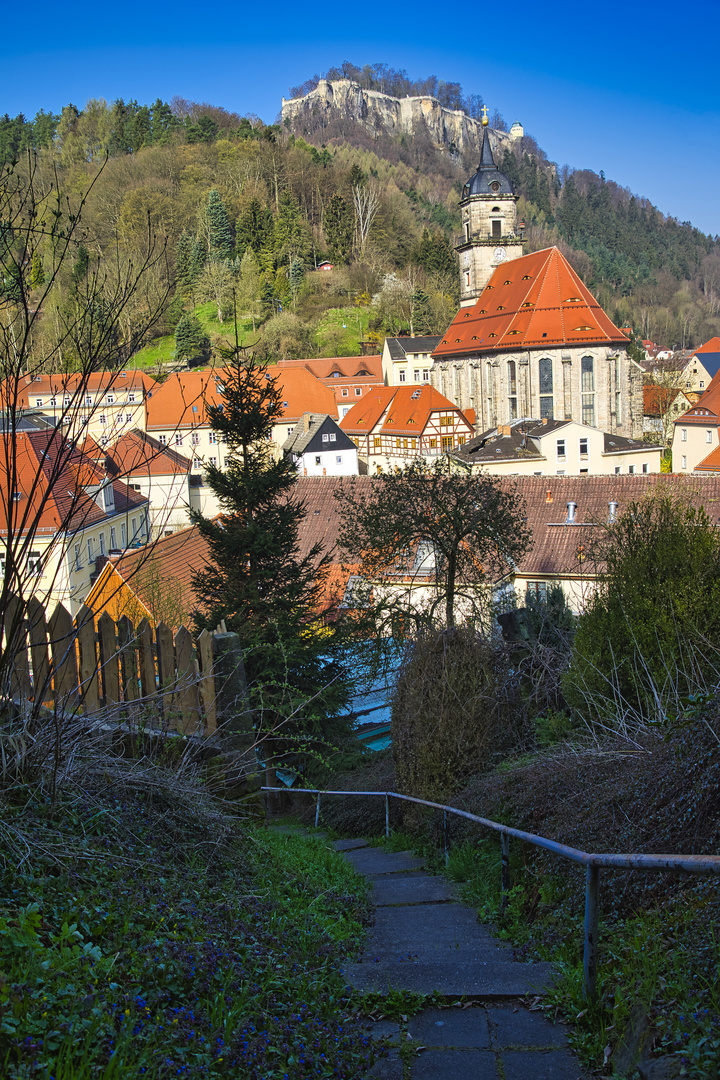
(651, 635)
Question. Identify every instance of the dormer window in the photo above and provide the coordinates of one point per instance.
(526, 277)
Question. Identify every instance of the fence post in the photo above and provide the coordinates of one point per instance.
(504, 871)
(592, 890)
(387, 814)
(445, 843)
(317, 811)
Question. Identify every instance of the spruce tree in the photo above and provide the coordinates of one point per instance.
(257, 580)
(191, 341)
(221, 241)
(338, 226)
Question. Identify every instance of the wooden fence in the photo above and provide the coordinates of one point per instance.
(70, 665)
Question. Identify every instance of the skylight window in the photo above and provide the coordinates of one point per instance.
(583, 328)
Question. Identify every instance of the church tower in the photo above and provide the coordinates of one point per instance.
(489, 223)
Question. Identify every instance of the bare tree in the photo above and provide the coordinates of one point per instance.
(366, 201)
(63, 321)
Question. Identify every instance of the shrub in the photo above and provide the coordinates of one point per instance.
(650, 636)
(453, 712)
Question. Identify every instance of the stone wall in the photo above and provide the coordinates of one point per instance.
(482, 383)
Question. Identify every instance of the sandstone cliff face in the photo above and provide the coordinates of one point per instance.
(448, 128)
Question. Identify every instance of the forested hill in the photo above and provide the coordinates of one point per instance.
(383, 208)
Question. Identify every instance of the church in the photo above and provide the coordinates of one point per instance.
(530, 339)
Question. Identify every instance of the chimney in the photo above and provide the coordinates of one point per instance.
(544, 421)
(506, 429)
(306, 421)
(548, 496)
(571, 508)
(612, 512)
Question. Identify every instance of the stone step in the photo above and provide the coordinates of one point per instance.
(349, 845)
(376, 861)
(411, 889)
(495, 979)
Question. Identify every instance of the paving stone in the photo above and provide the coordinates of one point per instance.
(454, 1065)
(496, 979)
(389, 1068)
(422, 889)
(467, 1028)
(541, 1065)
(384, 1029)
(349, 845)
(376, 861)
(525, 1028)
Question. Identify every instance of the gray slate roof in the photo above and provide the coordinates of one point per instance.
(401, 346)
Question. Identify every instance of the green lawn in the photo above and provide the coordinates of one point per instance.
(340, 330)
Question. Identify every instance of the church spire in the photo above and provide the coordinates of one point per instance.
(487, 161)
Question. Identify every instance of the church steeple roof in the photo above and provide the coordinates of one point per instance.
(488, 180)
(534, 302)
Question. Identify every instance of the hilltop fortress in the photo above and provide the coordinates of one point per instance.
(449, 128)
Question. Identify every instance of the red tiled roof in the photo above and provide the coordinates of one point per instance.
(136, 453)
(176, 559)
(31, 386)
(408, 410)
(558, 549)
(346, 367)
(532, 302)
(713, 346)
(710, 464)
(180, 401)
(50, 481)
(658, 399)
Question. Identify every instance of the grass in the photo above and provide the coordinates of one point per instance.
(144, 955)
(340, 330)
(162, 349)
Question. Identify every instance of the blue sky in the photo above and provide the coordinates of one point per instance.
(630, 88)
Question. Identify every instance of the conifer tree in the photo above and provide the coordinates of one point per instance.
(257, 581)
(338, 226)
(221, 241)
(191, 341)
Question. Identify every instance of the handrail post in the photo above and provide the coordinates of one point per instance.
(590, 953)
(317, 810)
(445, 843)
(387, 815)
(504, 871)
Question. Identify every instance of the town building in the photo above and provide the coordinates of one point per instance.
(490, 236)
(177, 410)
(61, 514)
(102, 404)
(155, 583)
(399, 424)
(407, 359)
(349, 377)
(555, 448)
(319, 447)
(537, 343)
(662, 405)
(159, 473)
(702, 367)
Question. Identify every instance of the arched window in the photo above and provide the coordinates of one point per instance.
(545, 381)
(587, 387)
(512, 390)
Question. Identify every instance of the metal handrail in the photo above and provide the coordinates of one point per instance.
(593, 863)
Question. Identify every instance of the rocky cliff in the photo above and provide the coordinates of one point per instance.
(343, 99)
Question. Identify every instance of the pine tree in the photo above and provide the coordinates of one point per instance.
(221, 241)
(248, 289)
(257, 581)
(191, 341)
(338, 225)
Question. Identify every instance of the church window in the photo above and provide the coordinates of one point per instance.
(512, 377)
(618, 395)
(587, 384)
(467, 278)
(495, 210)
(545, 373)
